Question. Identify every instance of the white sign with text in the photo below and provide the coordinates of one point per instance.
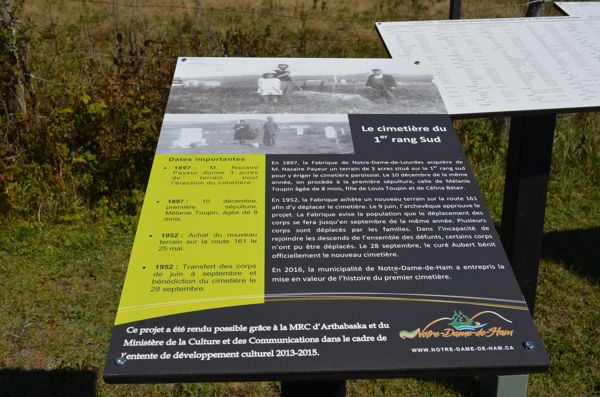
(579, 8)
(484, 66)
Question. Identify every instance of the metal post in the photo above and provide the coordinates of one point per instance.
(455, 6)
(505, 386)
(525, 188)
(535, 8)
(336, 388)
(523, 210)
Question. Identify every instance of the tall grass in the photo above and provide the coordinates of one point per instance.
(100, 74)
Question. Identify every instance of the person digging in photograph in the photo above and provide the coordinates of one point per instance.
(287, 81)
(382, 84)
(270, 129)
(269, 87)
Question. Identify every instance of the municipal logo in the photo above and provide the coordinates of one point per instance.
(486, 323)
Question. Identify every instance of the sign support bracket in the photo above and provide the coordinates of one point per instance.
(336, 388)
(505, 386)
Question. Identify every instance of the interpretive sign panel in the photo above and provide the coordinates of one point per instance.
(289, 246)
(579, 8)
(485, 66)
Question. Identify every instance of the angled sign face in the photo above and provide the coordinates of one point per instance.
(314, 233)
(506, 65)
(583, 9)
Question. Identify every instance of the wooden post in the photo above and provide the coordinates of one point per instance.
(8, 23)
(216, 47)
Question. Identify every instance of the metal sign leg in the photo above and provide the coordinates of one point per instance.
(336, 388)
(525, 189)
(524, 207)
(505, 386)
(455, 6)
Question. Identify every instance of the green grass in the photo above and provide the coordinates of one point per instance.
(62, 265)
(410, 98)
(61, 283)
(60, 286)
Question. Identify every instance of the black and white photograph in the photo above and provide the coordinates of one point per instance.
(309, 85)
(255, 134)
